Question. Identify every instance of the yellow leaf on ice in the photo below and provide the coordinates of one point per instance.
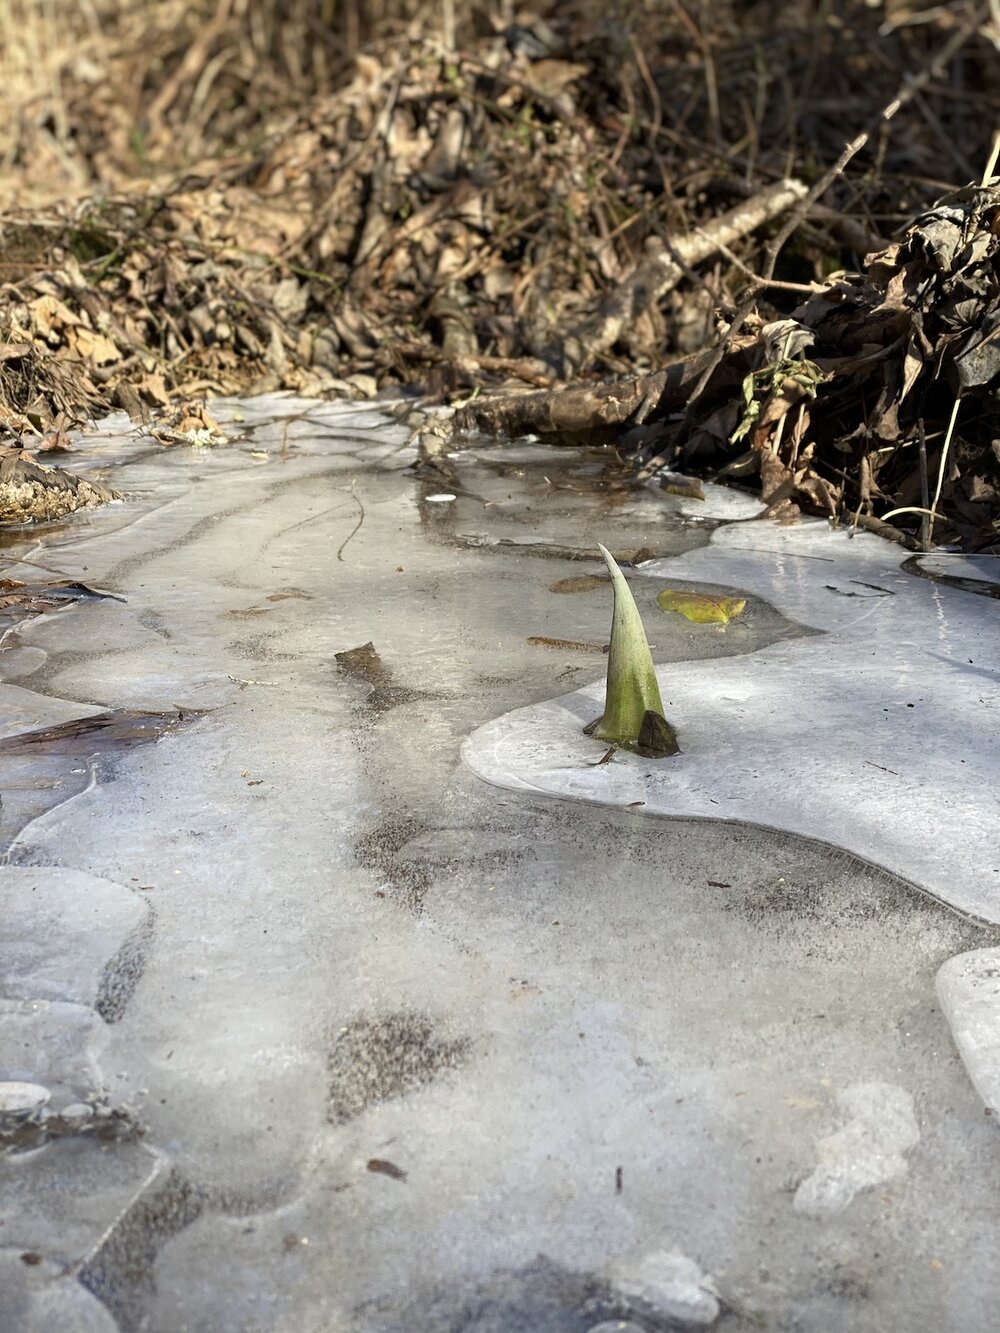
(701, 609)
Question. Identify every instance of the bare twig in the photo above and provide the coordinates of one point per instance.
(192, 64)
(357, 527)
(925, 493)
(905, 94)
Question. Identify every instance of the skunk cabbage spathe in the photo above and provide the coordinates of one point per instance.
(633, 710)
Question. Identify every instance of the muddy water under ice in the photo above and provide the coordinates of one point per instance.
(384, 1047)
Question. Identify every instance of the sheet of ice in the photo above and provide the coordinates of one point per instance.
(503, 492)
(37, 1294)
(90, 918)
(879, 736)
(55, 1043)
(61, 1201)
(23, 710)
(409, 1051)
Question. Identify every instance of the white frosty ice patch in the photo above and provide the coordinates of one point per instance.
(669, 1284)
(867, 1151)
(879, 736)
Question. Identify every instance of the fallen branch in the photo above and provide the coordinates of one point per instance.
(660, 272)
(590, 411)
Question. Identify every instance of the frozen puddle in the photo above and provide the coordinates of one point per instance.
(306, 1028)
(881, 735)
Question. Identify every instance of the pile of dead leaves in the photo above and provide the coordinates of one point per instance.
(878, 395)
(257, 197)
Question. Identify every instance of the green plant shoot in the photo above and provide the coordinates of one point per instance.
(633, 710)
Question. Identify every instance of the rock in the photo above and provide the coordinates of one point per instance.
(19, 1101)
(867, 1151)
(667, 1283)
(76, 1116)
(365, 385)
(34, 492)
(968, 987)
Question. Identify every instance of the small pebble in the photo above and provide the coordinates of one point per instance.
(441, 499)
(76, 1115)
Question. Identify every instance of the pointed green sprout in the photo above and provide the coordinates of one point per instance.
(633, 710)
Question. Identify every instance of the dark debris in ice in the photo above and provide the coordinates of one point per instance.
(120, 1272)
(364, 664)
(381, 1056)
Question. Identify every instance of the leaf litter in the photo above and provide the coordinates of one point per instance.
(554, 213)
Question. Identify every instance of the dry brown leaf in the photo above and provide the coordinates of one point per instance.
(50, 317)
(551, 77)
(96, 348)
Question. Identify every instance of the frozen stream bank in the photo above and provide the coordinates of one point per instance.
(336, 1036)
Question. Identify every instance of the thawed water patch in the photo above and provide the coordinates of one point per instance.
(561, 502)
